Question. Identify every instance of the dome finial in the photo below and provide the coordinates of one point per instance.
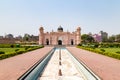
(60, 29)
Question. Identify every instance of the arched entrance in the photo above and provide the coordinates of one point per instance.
(47, 42)
(72, 42)
(59, 42)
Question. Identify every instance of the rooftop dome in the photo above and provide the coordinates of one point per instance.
(60, 29)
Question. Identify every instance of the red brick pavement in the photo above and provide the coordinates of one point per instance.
(12, 68)
(105, 67)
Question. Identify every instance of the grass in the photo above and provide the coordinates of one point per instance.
(11, 50)
(110, 50)
(7, 51)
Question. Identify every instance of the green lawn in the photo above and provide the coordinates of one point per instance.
(11, 50)
(111, 50)
(7, 51)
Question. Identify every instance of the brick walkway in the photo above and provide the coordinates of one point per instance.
(12, 68)
(107, 68)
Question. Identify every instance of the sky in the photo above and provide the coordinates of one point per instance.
(26, 16)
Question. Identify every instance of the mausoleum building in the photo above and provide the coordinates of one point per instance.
(59, 37)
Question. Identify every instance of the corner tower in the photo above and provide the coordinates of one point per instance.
(41, 36)
(78, 35)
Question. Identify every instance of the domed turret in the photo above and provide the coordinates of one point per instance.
(60, 29)
(41, 29)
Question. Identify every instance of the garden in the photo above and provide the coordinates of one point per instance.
(107, 49)
(9, 50)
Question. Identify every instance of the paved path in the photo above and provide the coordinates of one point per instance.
(107, 68)
(12, 68)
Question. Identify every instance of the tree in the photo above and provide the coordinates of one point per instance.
(118, 38)
(26, 37)
(112, 38)
(87, 38)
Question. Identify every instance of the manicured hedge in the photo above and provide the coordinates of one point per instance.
(113, 55)
(101, 45)
(5, 45)
(118, 52)
(3, 56)
(9, 45)
(1, 52)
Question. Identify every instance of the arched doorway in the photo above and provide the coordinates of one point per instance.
(72, 42)
(47, 42)
(59, 42)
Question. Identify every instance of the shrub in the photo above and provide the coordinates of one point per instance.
(17, 50)
(3, 56)
(20, 52)
(96, 45)
(27, 47)
(2, 52)
(79, 44)
(102, 50)
(4, 45)
(17, 45)
(11, 45)
(118, 52)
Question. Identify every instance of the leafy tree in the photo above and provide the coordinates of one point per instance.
(111, 38)
(118, 38)
(26, 37)
(87, 38)
(104, 39)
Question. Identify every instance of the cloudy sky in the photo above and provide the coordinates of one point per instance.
(26, 16)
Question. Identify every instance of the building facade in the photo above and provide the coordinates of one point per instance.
(60, 37)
